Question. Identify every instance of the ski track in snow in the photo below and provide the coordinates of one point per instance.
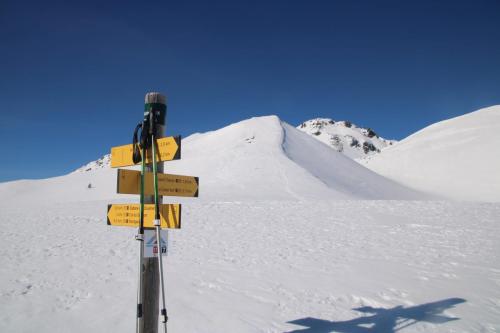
(257, 266)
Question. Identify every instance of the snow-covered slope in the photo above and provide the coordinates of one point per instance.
(266, 158)
(259, 158)
(268, 266)
(101, 163)
(345, 137)
(247, 261)
(457, 158)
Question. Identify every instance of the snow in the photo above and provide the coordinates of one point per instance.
(101, 163)
(256, 266)
(258, 158)
(456, 158)
(287, 235)
(338, 171)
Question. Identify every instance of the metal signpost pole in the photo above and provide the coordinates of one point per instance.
(151, 280)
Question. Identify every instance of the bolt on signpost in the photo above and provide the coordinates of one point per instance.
(150, 214)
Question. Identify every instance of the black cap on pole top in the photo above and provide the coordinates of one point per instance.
(157, 104)
(155, 97)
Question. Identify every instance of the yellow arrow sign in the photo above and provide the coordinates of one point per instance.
(169, 148)
(128, 215)
(129, 182)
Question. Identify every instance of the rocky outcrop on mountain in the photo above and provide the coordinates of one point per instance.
(345, 137)
(101, 163)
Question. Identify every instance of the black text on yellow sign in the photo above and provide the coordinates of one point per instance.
(129, 182)
(128, 215)
(169, 148)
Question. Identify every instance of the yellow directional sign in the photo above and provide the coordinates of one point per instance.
(129, 182)
(169, 148)
(128, 215)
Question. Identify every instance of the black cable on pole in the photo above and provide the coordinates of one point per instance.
(136, 155)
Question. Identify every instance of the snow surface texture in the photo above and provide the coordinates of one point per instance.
(457, 158)
(271, 245)
(345, 137)
(330, 266)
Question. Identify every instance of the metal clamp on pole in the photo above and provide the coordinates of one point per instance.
(164, 315)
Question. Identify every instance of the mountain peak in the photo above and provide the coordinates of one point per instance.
(345, 137)
(266, 158)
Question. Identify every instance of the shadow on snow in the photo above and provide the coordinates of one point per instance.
(380, 320)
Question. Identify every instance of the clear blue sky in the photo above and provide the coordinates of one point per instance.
(73, 74)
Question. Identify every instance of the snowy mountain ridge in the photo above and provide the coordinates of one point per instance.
(451, 158)
(261, 158)
(345, 137)
(101, 163)
(454, 157)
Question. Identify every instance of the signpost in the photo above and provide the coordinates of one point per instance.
(129, 182)
(169, 149)
(151, 184)
(128, 215)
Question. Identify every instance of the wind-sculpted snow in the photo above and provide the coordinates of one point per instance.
(338, 171)
(259, 158)
(457, 158)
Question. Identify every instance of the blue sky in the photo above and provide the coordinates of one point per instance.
(73, 74)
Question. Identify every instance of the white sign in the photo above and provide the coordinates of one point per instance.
(151, 246)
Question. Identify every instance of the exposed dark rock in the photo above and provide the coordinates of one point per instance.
(355, 143)
(336, 143)
(371, 133)
(368, 147)
(317, 124)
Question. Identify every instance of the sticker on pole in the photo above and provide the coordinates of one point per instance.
(151, 248)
